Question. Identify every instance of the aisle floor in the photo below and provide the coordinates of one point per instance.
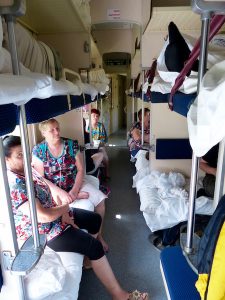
(134, 260)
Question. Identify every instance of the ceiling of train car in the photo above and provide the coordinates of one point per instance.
(183, 17)
(51, 16)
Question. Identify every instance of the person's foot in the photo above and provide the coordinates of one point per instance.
(103, 242)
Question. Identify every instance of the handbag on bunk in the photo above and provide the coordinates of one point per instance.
(211, 257)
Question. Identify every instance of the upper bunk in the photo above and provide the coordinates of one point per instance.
(168, 50)
(43, 85)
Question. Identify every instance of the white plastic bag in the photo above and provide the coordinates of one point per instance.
(206, 116)
(47, 278)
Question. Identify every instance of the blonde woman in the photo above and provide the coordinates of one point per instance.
(60, 162)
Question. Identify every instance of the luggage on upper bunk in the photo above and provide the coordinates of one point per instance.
(177, 51)
(211, 257)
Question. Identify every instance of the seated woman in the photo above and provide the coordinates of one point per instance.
(60, 223)
(134, 135)
(61, 163)
(93, 157)
(98, 133)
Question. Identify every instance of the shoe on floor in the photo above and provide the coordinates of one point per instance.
(158, 244)
(136, 295)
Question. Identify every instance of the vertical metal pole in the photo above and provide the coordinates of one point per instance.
(24, 135)
(90, 126)
(220, 174)
(28, 174)
(150, 126)
(133, 102)
(96, 103)
(83, 129)
(22, 290)
(101, 110)
(142, 110)
(5, 190)
(195, 159)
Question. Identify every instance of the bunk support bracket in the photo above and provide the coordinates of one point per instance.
(7, 259)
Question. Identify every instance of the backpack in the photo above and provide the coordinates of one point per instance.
(211, 257)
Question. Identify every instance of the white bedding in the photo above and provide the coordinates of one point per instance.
(189, 85)
(99, 80)
(206, 116)
(87, 89)
(20, 89)
(164, 201)
(165, 80)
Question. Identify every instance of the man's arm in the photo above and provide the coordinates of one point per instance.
(204, 166)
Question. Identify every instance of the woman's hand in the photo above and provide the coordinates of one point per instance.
(83, 195)
(67, 219)
(80, 195)
(63, 197)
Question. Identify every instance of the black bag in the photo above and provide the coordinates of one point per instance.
(209, 185)
(177, 52)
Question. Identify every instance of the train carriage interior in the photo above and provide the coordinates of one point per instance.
(117, 109)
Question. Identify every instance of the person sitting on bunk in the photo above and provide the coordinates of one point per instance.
(208, 164)
(98, 133)
(93, 157)
(61, 224)
(134, 134)
(60, 162)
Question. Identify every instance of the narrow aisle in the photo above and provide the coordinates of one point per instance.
(134, 260)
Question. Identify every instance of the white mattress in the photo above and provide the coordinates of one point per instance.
(20, 89)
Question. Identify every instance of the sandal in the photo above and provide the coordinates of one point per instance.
(136, 295)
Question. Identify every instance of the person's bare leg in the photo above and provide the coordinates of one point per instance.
(105, 160)
(105, 274)
(100, 209)
(97, 159)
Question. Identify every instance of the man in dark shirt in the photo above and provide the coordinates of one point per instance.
(208, 164)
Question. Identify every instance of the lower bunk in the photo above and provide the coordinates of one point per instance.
(202, 277)
(164, 195)
(57, 275)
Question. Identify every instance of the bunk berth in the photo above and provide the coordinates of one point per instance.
(68, 284)
(199, 255)
(157, 210)
(39, 97)
(171, 61)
